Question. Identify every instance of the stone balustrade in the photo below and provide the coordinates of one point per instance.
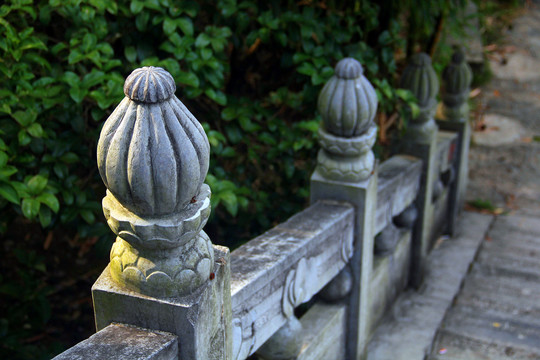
(169, 293)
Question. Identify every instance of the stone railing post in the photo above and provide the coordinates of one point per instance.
(420, 141)
(457, 77)
(346, 172)
(164, 273)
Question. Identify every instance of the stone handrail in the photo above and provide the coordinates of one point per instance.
(362, 241)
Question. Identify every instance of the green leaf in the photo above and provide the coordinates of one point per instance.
(89, 42)
(130, 53)
(202, 40)
(228, 114)
(25, 118)
(306, 69)
(188, 78)
(50, 200)
(45, 216)
(78, 94)
(217, 96)
(35, 130)
(88, 216)
(93, 78)
(75, 56)
(24, 138)
(30, 207)
(36, 184)
(9, 193)
(169, 25)
(69, 158)
(3, 159)
(230, 201)
(71, 78)
(186, 25)
(206, 53)
(141, 21)
(136, 7)
(22, 189)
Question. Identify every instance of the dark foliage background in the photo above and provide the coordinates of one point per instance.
(249, 70)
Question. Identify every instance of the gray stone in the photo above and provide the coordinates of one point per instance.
(422, 230)
(324, 332)
(121, 342)
(389, 279)
(409, 328)
(347, 105)
(397, 186)
(201, 320)
(499, 130)
(420, 78)
(285, 267)
(285, 344)
(362, 195)
(153, 157)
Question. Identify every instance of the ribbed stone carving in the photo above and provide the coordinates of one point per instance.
(153, 157)
(457, 77)
(420, 78)
(152, 153)
(149, 85)
(347, 104)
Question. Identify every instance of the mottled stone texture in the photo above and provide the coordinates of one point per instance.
(346, 171)
(347, 104)
(420, 78)
(153, 158)
(421, 142)
(120, 342)
(283, 268)
(201, 320)
(164, 273)
(457, 77)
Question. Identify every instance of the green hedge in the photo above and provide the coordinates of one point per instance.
(249, 70)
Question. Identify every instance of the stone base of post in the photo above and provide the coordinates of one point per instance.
(202, 320)
(363, 195)
(461, 167)
(421, 240)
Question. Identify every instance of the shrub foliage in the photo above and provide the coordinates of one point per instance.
(249, 70)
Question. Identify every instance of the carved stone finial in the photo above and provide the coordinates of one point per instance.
(149, 85)
(457, 77)
(153, 157)
(420, 78)
(347, 104)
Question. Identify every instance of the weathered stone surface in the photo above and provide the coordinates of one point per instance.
(458, 169)
(324, 332)
(285, 344)
(420, 78)
(346, 171)
(397, 187)
(363, 195)
(347, 104)
(421, 241)
(409, 328)
(500, 130)
(152, 153)
(201, 320)
(389, 278)
(153, 157)
(457, 77)
(284, 267)
(121, 342)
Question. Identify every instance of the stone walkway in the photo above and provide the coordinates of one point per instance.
(494, 313)
(497, 312)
